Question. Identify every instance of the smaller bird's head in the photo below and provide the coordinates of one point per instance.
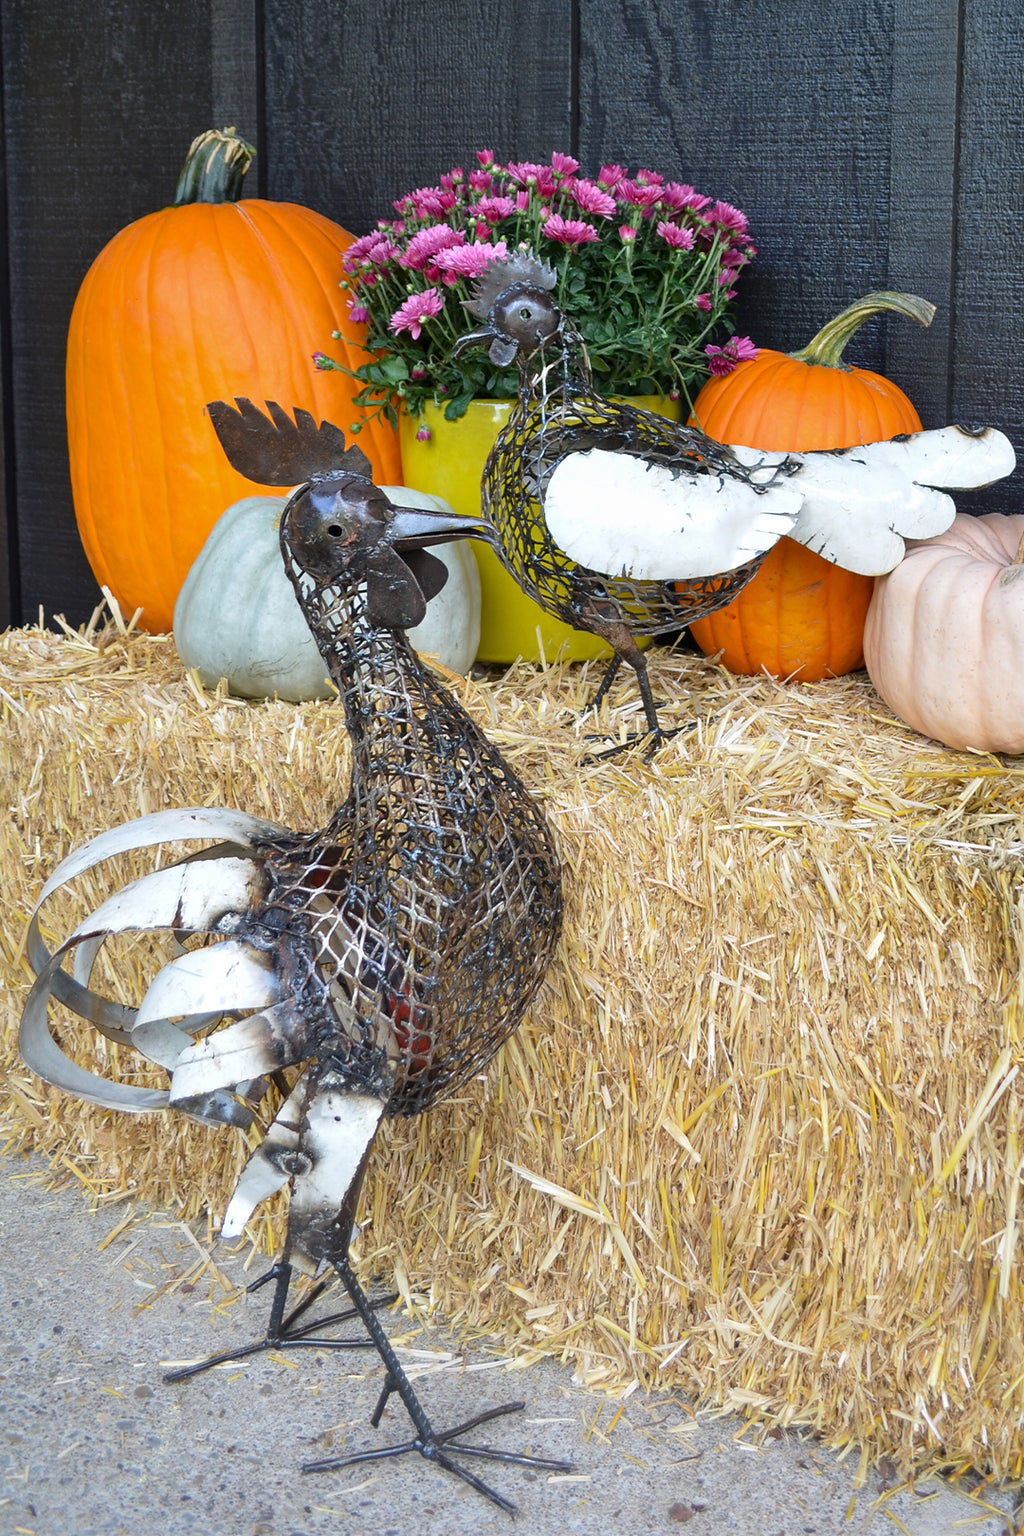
(514, 300)
(338, 529)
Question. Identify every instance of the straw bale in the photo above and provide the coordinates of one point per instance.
(760, 1138)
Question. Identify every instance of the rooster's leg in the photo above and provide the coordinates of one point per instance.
(434, 1445)
(281, 1330)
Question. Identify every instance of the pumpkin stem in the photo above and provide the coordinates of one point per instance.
(214, 168)
(828, 346)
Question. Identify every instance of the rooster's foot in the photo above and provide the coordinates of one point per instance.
(440, 1447)
(282, 1332)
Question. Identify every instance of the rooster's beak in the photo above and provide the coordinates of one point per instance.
(416, 528)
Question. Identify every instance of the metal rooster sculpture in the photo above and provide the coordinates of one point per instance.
(622, 523)
(385, 957)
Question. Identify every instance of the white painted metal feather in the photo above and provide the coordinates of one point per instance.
(253, 1047)
(617, 514)
(861, 504)
(949, 458)
(230, 977)
(266, 1171)
(188, 895)
(337, 1128)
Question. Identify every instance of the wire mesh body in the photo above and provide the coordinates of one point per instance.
(417, 926)
(558, 413)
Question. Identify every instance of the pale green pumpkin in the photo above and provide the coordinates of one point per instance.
(237, 616)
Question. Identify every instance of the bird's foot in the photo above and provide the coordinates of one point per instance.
(439, 1446)
(282, 1331)
(650, 740)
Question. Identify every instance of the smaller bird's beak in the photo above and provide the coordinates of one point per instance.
(502, 350)
(415, 528)
(474, 339)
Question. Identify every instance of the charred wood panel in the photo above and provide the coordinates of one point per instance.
(400, 92)
(987, 376)
(100, 106)
(781, 109)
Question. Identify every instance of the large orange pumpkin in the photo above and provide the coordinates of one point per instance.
(208, 299)
(802, 617)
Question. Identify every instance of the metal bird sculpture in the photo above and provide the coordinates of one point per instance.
(368, 969)
(619, 522)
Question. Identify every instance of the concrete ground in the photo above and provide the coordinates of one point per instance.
(94, 1443)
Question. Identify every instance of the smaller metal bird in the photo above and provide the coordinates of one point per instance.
(369, 968)
(627, 525)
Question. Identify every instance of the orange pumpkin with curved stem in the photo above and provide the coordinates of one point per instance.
(205, 300)
(802, 617)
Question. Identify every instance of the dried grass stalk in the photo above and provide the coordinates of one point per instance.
(760, 1138)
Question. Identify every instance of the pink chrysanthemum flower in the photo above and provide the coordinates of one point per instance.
(722, 360)
(564, 165)
(649, 178)
(703, 302)
(481, 181)
(627, 233)
(494, 209)
(485, 157)
(431, 202)
(522, 201)
(471, 260)
(358, 313)
(523, 171)
(526, 174)
(383, 253)
(609, 176)
(728, 218)
(640, 196)
(590, 198)
(415, 312)
(423, 434)
(678, 195)
(450, 181)
(678, 239)
(570, 232)
(360, 249)
(427, 242)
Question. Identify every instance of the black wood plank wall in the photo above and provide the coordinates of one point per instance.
(872, 143)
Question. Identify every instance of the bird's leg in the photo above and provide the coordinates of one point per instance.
(434, 1445)
(626, 649)
(611, 673)
(281, 1330)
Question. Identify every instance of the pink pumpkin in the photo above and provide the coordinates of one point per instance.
(944, 636)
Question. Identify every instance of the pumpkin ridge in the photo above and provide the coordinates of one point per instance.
(313, 272)
(136, 565)
(160, 542)
(89, 477)
(180, 381)
(383, 443)
(763, 398)
(710, 424)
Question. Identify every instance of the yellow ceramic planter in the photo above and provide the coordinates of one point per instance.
(450, 464)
